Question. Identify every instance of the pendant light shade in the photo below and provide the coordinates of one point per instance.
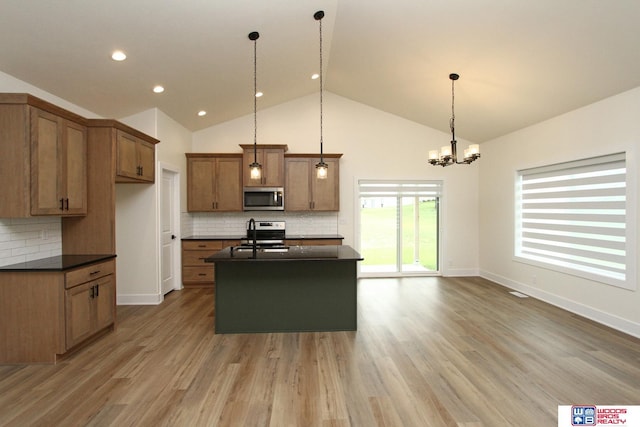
(448, 154)
(322, 169)
(255, 167)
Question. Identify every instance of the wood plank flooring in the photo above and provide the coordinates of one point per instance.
(428, 352)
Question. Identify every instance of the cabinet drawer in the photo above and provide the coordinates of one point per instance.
(202, 244)
(196, 258)
(198, 274)
(90, 272)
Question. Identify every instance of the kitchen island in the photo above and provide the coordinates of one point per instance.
(291, 289)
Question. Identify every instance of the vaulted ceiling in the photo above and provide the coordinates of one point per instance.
(520, 61)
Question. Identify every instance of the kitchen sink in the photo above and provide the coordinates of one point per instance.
(243, 249)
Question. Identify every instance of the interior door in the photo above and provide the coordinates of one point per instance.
(168, 232)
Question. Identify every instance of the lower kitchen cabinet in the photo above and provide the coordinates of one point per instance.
(195, 272)
(89, 309)
(45, 314)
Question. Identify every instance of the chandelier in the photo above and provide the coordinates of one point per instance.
(448, 155)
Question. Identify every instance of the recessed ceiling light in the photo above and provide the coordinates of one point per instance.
(259, 94)
(315, 76)
(118, 55)
(202, 113)
(158, 89)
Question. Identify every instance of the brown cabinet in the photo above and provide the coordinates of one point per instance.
(303, 191)
(90, 305)
(43, 159)
(195, 272)
(136, 158)
(271, 157)
(94, 233)
(214, 182)
(48, 313)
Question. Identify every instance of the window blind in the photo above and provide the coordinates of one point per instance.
(371, 188)
(573, 216)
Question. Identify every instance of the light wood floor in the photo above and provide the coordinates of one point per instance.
(428, 352)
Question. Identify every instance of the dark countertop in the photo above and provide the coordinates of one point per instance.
(287, 237)
(295, 253)
(56, 263)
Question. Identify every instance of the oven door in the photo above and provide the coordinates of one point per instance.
(263, 199)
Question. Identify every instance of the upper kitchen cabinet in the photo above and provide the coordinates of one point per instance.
(271, 157)
(43, 158)
(136, 158)
(214, 182)
(94, 233)
(305, 192)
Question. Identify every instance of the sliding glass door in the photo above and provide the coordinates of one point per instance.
(399, 223)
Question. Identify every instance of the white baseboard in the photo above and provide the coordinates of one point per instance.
(460, 272)
(607, 319)
(139, 299)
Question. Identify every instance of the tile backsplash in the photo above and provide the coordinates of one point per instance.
(234, 224)
(28, 239)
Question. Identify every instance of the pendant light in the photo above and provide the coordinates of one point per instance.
(448, 154)
(322, 168)
(255, 167)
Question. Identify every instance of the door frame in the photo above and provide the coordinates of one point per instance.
(175, 176)
(440, 271)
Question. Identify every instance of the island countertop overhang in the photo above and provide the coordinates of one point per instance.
(292, 253)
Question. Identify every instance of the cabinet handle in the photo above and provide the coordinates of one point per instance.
(94, 272)
(141, 169)
(97, 290)
(202, 246)
(202, 274)
(92, 293)
(61, 204)
(67, 202)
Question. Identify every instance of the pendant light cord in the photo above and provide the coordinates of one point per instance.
(453, 114)
(255, 99)
(321, 88)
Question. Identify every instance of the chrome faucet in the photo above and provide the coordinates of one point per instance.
(252, 228)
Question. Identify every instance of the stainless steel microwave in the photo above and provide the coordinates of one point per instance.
(263, 199)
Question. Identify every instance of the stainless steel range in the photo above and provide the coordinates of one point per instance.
(267, 233)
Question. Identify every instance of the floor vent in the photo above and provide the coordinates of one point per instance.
(519, 294)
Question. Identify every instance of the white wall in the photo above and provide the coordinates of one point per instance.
(376, 145)
(608, 126)
(137, 221)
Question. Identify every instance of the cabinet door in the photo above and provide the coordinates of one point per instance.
(146, 154)
(200, 184)
(297, 188)
(79, 313)
(325, 192)
(74, 174)
(90, 307)
(228, 184)
(127, 161)
(105, 302)
(272, 161)
(46, 164)
(274, 167)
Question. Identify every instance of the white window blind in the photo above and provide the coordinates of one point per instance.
(371, 188)
(572, 217)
